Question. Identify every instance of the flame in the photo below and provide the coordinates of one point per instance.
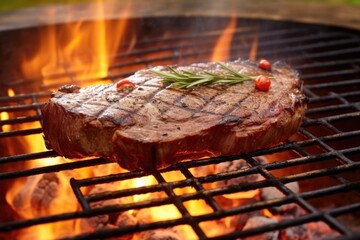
(11, 92)
(164, 212)
(267, 213)
(5, 116)
(222, 47)
(80, 48)
(141, 182)
(243, 195)
(254, 48)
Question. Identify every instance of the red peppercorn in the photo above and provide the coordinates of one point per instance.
(265, 64)
(262, 83)
(124, 84)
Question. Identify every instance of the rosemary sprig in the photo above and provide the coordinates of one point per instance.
(188, 79)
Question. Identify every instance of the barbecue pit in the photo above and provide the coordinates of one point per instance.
(322, 159)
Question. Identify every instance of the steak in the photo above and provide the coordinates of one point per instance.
(155, 125)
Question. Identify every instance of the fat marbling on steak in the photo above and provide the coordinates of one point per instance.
(155, 125)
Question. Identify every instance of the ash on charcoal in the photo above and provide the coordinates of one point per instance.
(232, 166)
(45, 192)
(312, 230)
(94, 223)
(37, 195)
(295, 233)
(126, 219)
(203, 170)
(240, 220)
(270, 193)
(321, 231)
(113, 220)
(123, 237)
(258, 221)
(160, 234)
(143, 216)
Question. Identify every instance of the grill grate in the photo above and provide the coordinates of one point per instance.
(326, 147)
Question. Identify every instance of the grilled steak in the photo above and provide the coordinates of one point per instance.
(155, 125)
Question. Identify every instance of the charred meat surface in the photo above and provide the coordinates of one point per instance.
(155, 125)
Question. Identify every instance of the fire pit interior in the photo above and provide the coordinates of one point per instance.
(305, 188)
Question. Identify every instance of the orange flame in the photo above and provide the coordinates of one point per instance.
(267, 213)
(243, 195)
(222, 47)
(254, 48)
(5, 116)
(81, 48)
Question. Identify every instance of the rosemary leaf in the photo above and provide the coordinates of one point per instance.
(188, 79)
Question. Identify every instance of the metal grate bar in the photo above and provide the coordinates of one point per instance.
(335, 84)
(289, 223)
(20, 132)
(327, 54)
(28, 156)
(327, 218)
(341, 158)
(21, 107)
(213, 178)
(79, 195)
(329, 63)
(199, 188)
(49, 169)
(333, 96)
(20, 120)
(179, 204)
(22, 97)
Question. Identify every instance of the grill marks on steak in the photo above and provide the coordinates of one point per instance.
(156, 125)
